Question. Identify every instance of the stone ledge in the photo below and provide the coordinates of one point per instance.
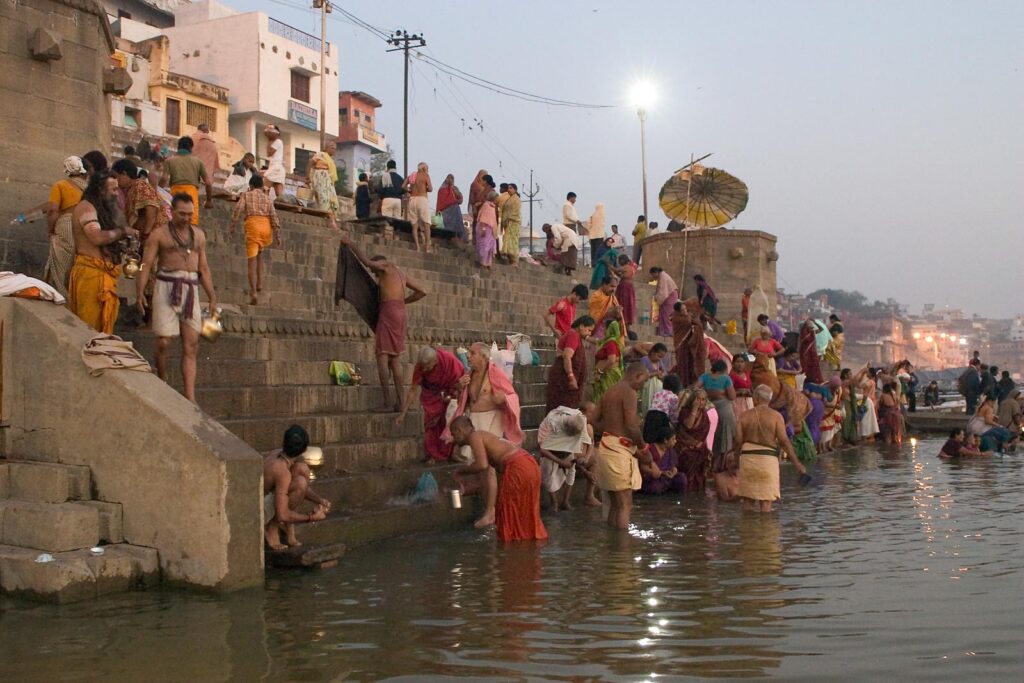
(77, 575)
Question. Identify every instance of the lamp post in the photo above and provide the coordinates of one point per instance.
(643, 96)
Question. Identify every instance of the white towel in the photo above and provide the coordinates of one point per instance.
(12, 283)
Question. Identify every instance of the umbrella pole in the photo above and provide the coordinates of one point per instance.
(694, 161)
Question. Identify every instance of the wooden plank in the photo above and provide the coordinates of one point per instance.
(313, 556)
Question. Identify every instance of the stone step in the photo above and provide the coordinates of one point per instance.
(78, 574)
(44, 482)
(53, 527)
(374, 524)
(363, 490)
(264, 433)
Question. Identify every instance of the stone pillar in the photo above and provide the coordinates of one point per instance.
(730, 260)
(52, 59)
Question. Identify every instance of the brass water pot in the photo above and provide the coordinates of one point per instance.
(212, 328)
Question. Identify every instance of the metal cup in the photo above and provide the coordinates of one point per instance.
(455, 496)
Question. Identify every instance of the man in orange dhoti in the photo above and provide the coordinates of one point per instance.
(517, 515)
(262, 227)
(92, 288)
(185, 172)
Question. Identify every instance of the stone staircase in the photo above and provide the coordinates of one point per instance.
(48, 508)
(270, 368)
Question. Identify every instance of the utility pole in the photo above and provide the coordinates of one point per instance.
(404, 41)
(534, 191)
(325, 8)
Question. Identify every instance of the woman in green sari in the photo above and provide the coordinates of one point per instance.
(606, 265)
(609, 365)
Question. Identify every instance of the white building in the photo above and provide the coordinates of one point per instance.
(1017, 329)
(272, 71)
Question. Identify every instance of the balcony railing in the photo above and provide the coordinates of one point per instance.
(279, 28)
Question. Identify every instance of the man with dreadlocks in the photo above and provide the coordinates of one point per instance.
(97, 227)
(175, 256)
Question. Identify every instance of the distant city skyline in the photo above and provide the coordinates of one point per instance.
(881, 141)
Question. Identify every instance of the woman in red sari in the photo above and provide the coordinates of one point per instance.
(439, 375)
(691, 439)
(568, 374)
(808, 348)
(626, 292)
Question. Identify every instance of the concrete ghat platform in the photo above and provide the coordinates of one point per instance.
(935, 421)
(269, 369)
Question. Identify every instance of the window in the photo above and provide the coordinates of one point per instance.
(172, 114)
(367, 118)
(343, 113)
(300, 87)
(302, 158)
(196, 113)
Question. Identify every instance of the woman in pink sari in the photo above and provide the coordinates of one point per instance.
(486, 230)
(666, 295)
(691, 439)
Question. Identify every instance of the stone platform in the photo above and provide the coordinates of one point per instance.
(270, 368)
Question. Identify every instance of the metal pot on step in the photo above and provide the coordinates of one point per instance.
(314, 457)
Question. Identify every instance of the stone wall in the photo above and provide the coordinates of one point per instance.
(731, 260)
(187, 486)
(49, 109)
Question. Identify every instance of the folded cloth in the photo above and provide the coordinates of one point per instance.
(109, 352)
(616, 466)
(759, 472)
(16, 284)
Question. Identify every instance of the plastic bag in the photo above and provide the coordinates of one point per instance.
(463, 355)
(425, 492)
(344, 374)
(507, 362)
(520, 344)
(535, 358)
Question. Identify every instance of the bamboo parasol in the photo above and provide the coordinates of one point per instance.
(703, 197)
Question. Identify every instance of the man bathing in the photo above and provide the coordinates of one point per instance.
(761, 434)
(285, 485)
(389, 335)
(492, 405)
(517, 516)
(621, 444)
(175, 256)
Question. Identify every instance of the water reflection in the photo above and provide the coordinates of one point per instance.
(891, 561)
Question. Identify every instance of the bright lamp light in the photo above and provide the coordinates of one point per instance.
(643, 94)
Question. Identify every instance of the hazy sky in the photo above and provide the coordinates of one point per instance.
(881, 141)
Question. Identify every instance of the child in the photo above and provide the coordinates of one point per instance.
(562, 435)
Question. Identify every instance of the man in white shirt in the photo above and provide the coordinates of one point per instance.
(569, 216)
(618, 241)
(275, 159)
(567, 242)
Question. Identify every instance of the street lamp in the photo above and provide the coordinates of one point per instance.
(642, 96)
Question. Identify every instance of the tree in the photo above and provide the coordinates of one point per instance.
(842, 299)
(379, 161)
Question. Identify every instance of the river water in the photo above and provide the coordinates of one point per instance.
(892, 564)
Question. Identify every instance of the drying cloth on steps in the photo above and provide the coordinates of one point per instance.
(109, 352)
(16, 284)
(355, 285)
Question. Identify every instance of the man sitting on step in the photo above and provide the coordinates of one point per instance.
(389, 335)
(285, 486)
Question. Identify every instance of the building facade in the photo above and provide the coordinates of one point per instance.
(358, 138)
(271, 70)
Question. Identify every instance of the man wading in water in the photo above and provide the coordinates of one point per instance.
(621, 444)
(761, 433)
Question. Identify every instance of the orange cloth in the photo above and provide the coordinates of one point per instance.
(258, 235)
(517, 513)
(92, 292)
(193, 192)
(66, 193)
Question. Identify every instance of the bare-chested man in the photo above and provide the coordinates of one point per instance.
(92, 287)
(621, 448)
(761, 434)
(419, 186)
(285, 486)
(518, 514)
(389, 336)
(492, 405)
(175, 256)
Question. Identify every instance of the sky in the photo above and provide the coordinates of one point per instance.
(882, 142)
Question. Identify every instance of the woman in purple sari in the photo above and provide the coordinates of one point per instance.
(662, 475)
(485, 231)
